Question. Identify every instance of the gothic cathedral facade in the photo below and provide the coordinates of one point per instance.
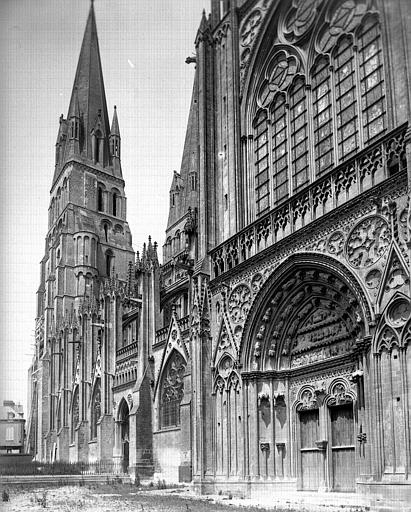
(271, 349)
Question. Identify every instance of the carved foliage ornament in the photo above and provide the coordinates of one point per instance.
(249, 30)
(239, 303)
(368, 241)
(339, 393)
(373, 279)
(250, 27)
(308, 400)
(225, 367)
(335, 244)
(225, 342)
(256, 282)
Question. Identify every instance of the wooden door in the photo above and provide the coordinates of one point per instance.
(311, 458)
(342, 448)
(125, 456)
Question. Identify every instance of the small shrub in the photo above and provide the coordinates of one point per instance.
(43, 500)
(161, 484)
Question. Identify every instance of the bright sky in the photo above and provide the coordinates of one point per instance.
(143, 46)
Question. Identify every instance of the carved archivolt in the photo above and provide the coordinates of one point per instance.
(311, 315)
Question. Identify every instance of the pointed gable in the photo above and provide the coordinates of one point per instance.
(395, 277)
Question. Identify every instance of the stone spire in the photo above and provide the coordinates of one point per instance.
(88, 101)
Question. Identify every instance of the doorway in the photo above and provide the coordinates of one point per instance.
(124, 435)
(311, 462)
(342, 448)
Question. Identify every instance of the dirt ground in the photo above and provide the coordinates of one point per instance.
(109, 498)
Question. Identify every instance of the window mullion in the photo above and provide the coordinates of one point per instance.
(360, 124)
(270, 161)
(289, 155)
(310, 131)
(334, 114)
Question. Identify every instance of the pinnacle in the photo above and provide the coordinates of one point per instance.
(115, 130)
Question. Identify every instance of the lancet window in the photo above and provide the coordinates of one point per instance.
(307, 121)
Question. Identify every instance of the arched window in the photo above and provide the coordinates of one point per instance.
(167, 248)
(93, 253)
(98, 147)
(371, 76)
(177, 241)
(325, 116)
(172, 391)
(262, 185)
(299, 135)
(95, 410)
(279, 145)
(346, 98)
(105, 228)
(86, 249)
(100, 207)
(115, 204)
(322, 117)
(109, 259)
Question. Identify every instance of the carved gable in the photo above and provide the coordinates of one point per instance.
(395, 277)
(225, 343)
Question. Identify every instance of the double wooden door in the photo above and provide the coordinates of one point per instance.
(332, 461)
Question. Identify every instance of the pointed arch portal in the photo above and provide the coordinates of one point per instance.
(124, 423)
(298, 352)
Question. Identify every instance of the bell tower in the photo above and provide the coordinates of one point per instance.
(88, 241)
